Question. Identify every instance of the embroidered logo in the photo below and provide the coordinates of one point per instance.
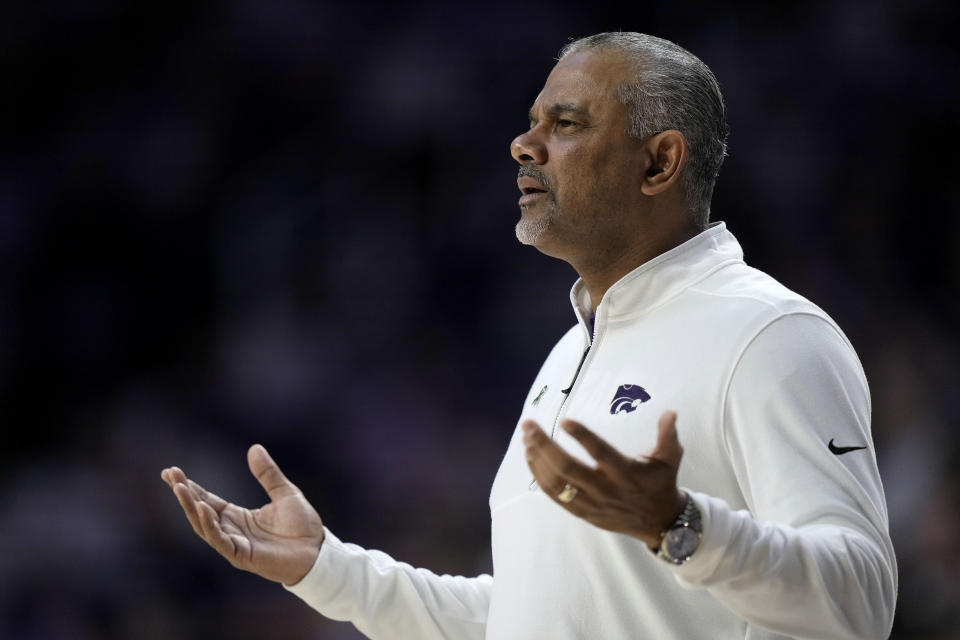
(627, 398)
(540, 395)
(839, 451)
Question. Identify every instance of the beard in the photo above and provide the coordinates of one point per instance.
(531, 228)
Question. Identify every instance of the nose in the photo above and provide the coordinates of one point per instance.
(528, 147)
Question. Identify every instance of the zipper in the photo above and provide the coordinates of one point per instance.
(576, 376)
(566, 392)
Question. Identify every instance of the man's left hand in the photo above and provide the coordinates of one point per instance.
(635, 496)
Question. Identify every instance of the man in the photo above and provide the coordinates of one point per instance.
(771, 523)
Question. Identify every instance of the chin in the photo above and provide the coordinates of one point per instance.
(537, 234)
(532, 229)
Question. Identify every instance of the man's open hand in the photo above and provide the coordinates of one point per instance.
(279, 541)
(635, 496)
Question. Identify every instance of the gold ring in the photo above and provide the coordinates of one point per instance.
(568, 493)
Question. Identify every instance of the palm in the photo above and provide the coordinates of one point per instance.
(290, 517)
(278, 541)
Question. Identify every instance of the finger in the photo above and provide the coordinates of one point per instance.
(214, 535)
(549, 481)
(582, 505)
(268, 474)
(189, 506)
(667, 449)
(552, 460)
(598, 448)
(173, 475)
(201, 494)
(543, 473)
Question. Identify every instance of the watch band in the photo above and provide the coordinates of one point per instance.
(682, 538)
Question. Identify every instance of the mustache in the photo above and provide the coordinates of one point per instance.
(532, 171)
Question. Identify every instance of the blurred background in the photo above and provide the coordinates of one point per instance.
(292, 223)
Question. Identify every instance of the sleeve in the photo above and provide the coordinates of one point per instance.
(812, 556)
(386, 599)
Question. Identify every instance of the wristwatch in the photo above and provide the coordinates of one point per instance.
(682, 538)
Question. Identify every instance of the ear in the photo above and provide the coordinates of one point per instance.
(667, 154)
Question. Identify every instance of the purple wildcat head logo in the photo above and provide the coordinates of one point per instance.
(627, 398)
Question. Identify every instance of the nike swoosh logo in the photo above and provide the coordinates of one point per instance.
(839, 451)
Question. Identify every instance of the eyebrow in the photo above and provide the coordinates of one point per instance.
(560, 108)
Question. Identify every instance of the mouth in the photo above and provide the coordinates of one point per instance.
(530, 198)
(531, 190)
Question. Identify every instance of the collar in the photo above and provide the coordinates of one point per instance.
(657, 280)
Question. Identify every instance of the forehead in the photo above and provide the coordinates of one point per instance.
(589, 79)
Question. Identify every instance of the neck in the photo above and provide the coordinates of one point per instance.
(600, 274)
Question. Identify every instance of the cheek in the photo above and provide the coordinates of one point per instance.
(595, 172)
(592, 175)
(581, 173)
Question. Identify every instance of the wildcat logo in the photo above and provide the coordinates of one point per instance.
(627, 398)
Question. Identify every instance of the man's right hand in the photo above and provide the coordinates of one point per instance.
(279, 541)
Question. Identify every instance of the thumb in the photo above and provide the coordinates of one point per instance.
(668, 447)
(268, 474)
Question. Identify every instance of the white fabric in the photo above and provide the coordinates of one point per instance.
(389, 599)
(795, 540)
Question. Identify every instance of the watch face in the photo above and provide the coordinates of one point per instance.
(682, 542)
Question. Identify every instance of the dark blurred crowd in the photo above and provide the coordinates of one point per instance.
(292, 223)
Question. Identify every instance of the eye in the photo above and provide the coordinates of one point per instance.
(566, 124)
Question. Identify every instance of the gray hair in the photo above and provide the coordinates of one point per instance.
(672, 89)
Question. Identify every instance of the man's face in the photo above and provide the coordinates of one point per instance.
(580, 171)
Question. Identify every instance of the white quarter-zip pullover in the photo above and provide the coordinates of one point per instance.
(774, 417)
